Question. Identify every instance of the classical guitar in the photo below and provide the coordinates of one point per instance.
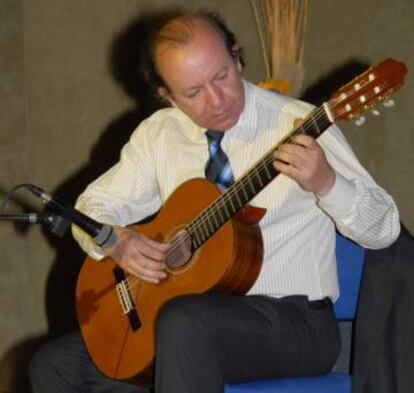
(216, 243)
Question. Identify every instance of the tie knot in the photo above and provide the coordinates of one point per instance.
(214, 136)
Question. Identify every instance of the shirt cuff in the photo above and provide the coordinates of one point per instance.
(87, 244)
(340, 199)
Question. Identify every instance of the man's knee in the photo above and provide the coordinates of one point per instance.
(181, 318)
(41, 363)
(45, 355)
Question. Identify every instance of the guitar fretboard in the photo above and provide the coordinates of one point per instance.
(250, 184)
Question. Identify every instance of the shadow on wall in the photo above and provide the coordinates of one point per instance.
(14, 366)
(128, 57)
(323, 89)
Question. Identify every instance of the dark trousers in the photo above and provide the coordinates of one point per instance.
(205, 341)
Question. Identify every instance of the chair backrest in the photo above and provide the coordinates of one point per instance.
(350, 257)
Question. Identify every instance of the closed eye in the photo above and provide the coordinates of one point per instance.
(221, 76)
(192, 93)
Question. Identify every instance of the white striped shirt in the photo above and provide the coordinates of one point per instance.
(298, 228)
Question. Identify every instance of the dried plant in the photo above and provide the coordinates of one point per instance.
(282, 25)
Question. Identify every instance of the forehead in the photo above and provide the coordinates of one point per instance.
(201, 56)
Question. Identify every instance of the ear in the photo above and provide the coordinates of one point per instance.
(239, 64)
(165, 95)
(236, 52)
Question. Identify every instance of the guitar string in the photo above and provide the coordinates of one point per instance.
(211, 211)
(319, 113)
(222, 201)
(217, 205)
(173, 253)
(133, 284)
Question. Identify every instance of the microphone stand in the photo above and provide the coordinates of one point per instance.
(32, 218)
(58, 224)
(102, 234)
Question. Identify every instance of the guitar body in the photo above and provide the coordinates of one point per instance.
(228, 262)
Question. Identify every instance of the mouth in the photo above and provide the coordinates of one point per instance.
(220, 115)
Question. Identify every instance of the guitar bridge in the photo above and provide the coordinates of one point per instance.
(125, 299)
(123, 296)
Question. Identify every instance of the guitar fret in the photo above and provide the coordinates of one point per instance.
(204, 231)
(257, 184)
(199, 243)
(316, 125)
(249, 178)
(209, 225)
(209, 228)
(216, 221)
(196, 239)
(237, 196)
(240, 200)
(244, 190)
(221, 216)
(307, 127)
(267, 170)
(198, 234)
(226, 211)
(259, 177)
(232, 207)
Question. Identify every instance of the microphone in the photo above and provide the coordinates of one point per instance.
(102, 234)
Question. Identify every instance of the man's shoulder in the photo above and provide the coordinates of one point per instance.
(164, 115)
(277, 101)
(163, 126)
(161, 121)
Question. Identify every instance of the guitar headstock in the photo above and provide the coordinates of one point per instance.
(365, 91)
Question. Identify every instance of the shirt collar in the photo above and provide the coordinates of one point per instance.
(246, 127)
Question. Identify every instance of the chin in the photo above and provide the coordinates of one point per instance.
(230, 124)
(226, 124)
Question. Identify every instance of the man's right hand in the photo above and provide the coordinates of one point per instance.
(139, 255)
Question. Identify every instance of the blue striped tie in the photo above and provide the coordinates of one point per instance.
(218, 169)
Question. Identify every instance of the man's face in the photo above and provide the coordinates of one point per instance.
(204, 81)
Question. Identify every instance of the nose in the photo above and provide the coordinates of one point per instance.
(214, 97)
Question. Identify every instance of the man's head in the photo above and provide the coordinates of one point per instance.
(200, 70)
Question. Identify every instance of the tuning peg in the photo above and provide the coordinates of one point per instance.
(360, 121)
(375, 112)
(389, 103)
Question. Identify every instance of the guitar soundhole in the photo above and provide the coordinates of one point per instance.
(180, 252)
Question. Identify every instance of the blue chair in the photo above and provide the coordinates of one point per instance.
(350, 259)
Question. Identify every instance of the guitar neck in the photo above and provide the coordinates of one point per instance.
(250, 184)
